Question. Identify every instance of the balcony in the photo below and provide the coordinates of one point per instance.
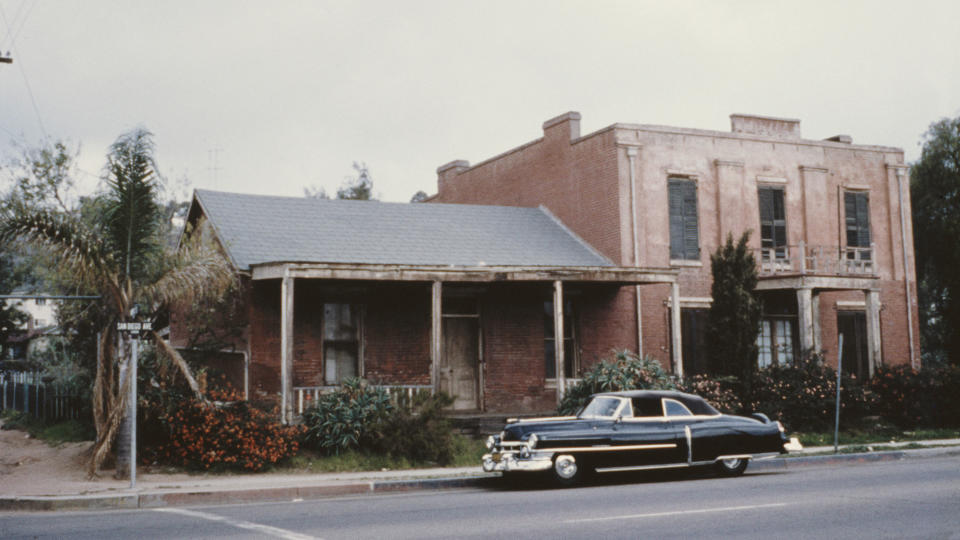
(801, 260)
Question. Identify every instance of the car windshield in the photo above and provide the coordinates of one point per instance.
(601, 407)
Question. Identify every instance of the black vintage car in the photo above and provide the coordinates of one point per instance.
(640, 429)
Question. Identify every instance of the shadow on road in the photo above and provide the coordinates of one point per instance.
(541, 481)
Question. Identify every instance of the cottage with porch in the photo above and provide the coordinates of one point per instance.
(498, 306)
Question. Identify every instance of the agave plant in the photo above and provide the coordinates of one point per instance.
(120, 255)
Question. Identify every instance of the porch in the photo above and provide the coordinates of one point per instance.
(486, 335)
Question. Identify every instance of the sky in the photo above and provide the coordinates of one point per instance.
(272, 97)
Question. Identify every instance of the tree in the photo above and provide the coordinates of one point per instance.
(359, 187)
(119, 253)
(419, 196)
(734, 318)
(935, 194)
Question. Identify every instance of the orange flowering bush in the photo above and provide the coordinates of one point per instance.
(226, 434)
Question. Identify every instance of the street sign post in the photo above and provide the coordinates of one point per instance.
(136, 327)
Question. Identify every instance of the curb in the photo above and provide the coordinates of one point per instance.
(135, 501)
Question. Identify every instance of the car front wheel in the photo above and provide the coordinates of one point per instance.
(566, 470)
(732, 466)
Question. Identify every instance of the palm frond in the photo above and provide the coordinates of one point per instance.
(195, 272)
(132, 217)
(75, 248)
(167, 350)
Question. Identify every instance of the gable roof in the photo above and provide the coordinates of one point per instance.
(260, 229)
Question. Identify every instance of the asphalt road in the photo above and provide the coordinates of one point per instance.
(918, 498)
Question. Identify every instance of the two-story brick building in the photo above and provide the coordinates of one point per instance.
(830, 221)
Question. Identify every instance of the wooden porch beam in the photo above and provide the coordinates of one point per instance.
(436, 329)
(286, 348)
(558, 348)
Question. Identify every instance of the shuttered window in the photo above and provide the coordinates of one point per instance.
(773, 223)
(341, 342)
(857, 210)
(684, 232)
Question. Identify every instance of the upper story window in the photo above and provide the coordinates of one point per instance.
(857, 212)
(773, 223)
(684, 230)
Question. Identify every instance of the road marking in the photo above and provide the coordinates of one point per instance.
(678, 513)
(264, 529)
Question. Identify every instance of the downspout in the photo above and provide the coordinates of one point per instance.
(632, 155)
(906, 273)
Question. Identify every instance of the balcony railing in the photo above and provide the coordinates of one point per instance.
(400, 394)
(820, 260)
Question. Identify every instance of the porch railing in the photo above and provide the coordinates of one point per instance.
(400, 394)
(821, 260)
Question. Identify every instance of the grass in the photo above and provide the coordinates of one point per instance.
(467, 452)
(53, 434)
(882, 434)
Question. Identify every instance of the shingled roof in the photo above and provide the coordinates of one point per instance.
(258, 229)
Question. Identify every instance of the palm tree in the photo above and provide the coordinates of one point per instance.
(121, 256)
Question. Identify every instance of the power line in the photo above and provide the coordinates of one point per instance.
(23, 72)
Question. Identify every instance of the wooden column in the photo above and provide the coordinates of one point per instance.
(805, 319)
(558, 347)
(676, 339)
(874, 347)
(436, 330)
(286, 348)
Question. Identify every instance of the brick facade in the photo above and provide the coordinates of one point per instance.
(586, 182)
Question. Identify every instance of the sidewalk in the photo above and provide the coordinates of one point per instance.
(158, 490)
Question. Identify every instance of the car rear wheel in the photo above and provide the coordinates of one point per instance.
(732, 466)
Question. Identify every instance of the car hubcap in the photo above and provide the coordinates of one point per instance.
(566, 467)
(731, 463)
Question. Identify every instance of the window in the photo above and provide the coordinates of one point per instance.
(647, 407)
(341, 342)
(693, 336)
(775, 342)
(852, 325)
(569, 341)
(857, 210)
(684, 232)
(673, 407)
(773, 223)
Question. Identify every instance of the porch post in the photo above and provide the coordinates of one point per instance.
(805, 318)
(436, 330)
(817, 336)
(676, 339)
(874, 346)
(286, 347)
(558, 337)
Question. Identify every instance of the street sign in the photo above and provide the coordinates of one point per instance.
(134, 326)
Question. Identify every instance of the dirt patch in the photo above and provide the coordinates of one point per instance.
(30, 466)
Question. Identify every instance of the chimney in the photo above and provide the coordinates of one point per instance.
(449, 170)
(766, 126)
(564, 127)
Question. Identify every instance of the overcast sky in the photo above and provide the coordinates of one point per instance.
(271, 97)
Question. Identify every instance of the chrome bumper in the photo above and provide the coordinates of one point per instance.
(793, 446)
(511, 461)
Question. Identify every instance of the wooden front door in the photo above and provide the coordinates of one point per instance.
(459, 363)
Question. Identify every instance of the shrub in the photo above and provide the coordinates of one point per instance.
(196, 435)
(721, 392)
(909, 398)
(420, 433)
(803, 395)
(625, 371)
(346, 418)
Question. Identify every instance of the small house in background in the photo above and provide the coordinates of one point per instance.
(498, 306)
(34, 334)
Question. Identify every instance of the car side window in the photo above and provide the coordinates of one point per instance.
(673, 407)
(646, 407)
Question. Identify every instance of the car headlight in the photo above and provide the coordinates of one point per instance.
(491, 442)
(532, 440)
